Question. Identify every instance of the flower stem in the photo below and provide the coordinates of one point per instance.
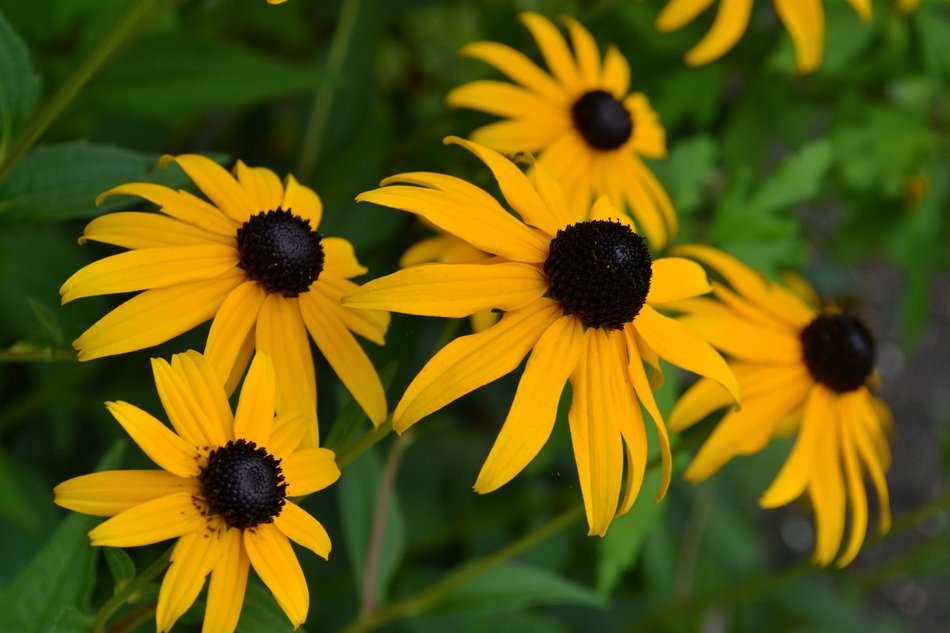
(425, 599)
(125, 593)
(125, 29)
(333, 71)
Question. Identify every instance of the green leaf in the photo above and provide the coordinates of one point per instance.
(797, 179)
(120, 565)
(171, 77)
(516, 586)
(687, 172)
(13, 506)
(261, 614)
(358, 494)
(19, 86)
(61, 181)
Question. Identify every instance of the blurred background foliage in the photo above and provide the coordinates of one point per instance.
(842, 174)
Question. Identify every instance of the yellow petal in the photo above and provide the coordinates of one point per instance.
(301, 528)
(677, 13)
(344, 354)
(180, 205)
(586, 52)
(206, 385)
(199, 412)
(826, 489)
(805, 22)
(133, 229)
(149, 268)
(673, 342)
(340, 258)
(872, 462)
(487, 227)
(857, 498)
(675, 278)
(255, 411)
(632, 427)
(217, 184)
(649, 140)
(151, 522)
(282, 335)
(554, 49)
(747, 341)
(502, 99)
(262, 186)
(303, 201)
(471, 361)
(370, 324)
(704, 397)
(192, 559)
(156, 440)
(289, 430)
(553, 196)
(309, 470)
(452, 290)
(643, 197)
(108, 493)
(863, 7)
(518, 67)
(616, 73)
(231, 327)
(532, 413)
(227, 586)
(276, 564)
(524, 134)
(730, 23)
(155, 316)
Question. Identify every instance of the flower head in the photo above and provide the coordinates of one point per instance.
(588, 132)
(578, 290)
(224, 491)
(252, 260)
(800, 369)
(804, 20)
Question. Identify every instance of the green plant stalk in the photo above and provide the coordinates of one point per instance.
(125, 29)
(365, 442)
(127, 591)
(320, 114)
(425, 599)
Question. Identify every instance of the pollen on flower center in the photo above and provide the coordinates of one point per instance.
(600, 272)
(243, 483)
(280, 251)
(603, 121)
(838, 351)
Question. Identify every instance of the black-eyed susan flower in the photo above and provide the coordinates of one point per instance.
(804, 20)
(252, 260)
(578, 290)
(223, 491)
(800, 368)
(586, 129)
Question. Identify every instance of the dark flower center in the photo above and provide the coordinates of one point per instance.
(600, 272)
(243, 484)
(280, 251)
(603, 121)
(838, 351)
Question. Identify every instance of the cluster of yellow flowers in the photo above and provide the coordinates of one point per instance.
(564, 271)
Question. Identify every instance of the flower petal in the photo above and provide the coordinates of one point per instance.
(289, 430)
(616, 73)
(826, 490)
(303, 201)
(526, 134)
(192, 559)
(678, 13)
(133, 229)
(108, 493)
(156, 440)
(216, 183)
(471, 361)
(370, 324)
(227, 586)
(502, 99)
(297, 525)
(155, 316)
(344, 354)
(730, 23)
(180, 205)
(255, 411)
(309, 470)
(704, 397)
(199, 412)
(534, 408)
(675, 278)
(150, 522)
(340, 258)
(857, 497)
(452, 290)
(518, 67)
(230, 329)
(554, 49)
(585, 51)
(262, 186)
(805, 22)
(275, 562)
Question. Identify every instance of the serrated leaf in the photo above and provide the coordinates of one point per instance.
(19, 85)
(171, 77)
(60, 181)
(516, 586)
(358, 494)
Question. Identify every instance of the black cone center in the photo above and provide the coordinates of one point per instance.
(280, 251)
(838, 351)
(243, 484)
(603, 121)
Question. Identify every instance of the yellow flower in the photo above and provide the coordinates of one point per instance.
(587, 131)
(251, 259)
(799, 368)
(804, 20)
(223, 492)
(578, 291)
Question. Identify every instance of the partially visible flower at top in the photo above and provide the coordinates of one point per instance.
(804, 20)
(578, 289)
(449, 249)
(276, 1)
(223, 491)
(585, 128)
(907, 6)
(251, 259)
(801, 369)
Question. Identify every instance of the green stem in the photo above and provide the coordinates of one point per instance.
(128, 590)
(425, 599)
(126, 28)
(333, 71)
(366, 442)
